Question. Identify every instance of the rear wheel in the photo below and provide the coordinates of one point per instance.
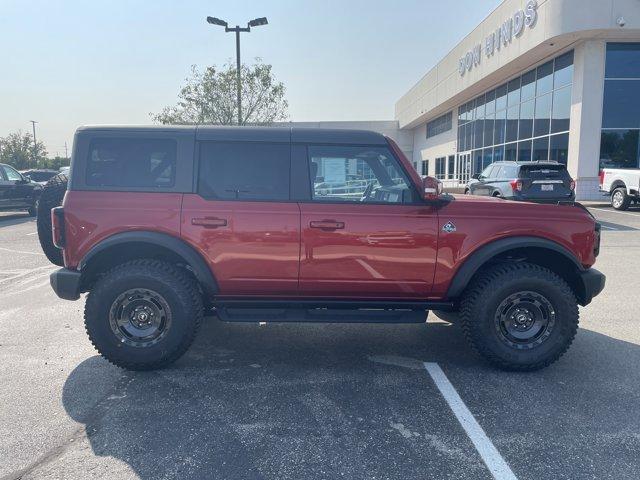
(51, 197)
(519, 316)
(619, 199)
(143, 314)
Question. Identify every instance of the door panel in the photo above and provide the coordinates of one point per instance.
(253, 248)
(367, 250)
(17, 193)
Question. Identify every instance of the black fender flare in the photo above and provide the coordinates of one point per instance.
(485, 253)
(178, 246)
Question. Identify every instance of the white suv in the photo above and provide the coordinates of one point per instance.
(623, 184)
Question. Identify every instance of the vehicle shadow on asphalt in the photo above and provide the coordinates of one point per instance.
(15, 219)
(306, 401)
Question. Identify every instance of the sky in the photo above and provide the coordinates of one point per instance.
(66, 63)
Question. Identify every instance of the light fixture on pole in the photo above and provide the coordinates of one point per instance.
(256, 22)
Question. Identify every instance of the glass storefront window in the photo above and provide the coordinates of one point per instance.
(512, 123)
(479, 108)
(501, 97)
(542, 116)
(559, 148)
(561, 111)
(620, 149)
(619, 143)
(528, 89)
(513, 97)
(478, 131)
(524, 151)
(511, 152)
(544, 82)
(489, 124)
(563, 73)
(526, 120)
(490, 102)
(500, 127)
(621, 107)
(623, 60)
(522, 119)
(541, 149)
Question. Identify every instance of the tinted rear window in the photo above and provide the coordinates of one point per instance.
(544, 171)
(244, 171)
(129, 162)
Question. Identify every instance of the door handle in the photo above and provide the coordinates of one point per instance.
(209, 222)
(327, 225)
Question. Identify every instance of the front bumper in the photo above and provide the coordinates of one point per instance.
(592, 284)
(66, 283)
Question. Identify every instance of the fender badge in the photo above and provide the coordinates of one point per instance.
(449, 227)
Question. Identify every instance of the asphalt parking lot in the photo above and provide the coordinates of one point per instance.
(314, 401)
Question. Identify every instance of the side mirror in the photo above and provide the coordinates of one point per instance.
(431, 188)
(27, 178)
(476, 176)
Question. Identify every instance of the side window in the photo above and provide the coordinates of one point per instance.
(12, 174)
(131, 162)
(244, 171)
(357, 174)
(509, 171)
(486, 172)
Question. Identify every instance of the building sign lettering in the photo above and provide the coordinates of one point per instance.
(514, 27)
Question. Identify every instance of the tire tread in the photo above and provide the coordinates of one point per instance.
(491, 279)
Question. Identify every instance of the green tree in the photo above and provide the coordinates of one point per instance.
(56, 162)
(17, 150)
(210, 97)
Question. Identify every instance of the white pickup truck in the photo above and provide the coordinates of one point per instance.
(623, 184)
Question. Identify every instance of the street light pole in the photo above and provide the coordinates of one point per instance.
(256, 22)
(35, 144)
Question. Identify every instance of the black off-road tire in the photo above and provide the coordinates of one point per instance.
(451, 317)
(173, 285)
(51, 197)
(619, 199)
(480, 318)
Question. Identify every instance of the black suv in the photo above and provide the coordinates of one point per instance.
(531, 181)
(18, 192)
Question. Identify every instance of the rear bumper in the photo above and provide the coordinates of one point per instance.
(593, 283)
(66, 283)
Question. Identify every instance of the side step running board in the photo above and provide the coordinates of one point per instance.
(327, 311)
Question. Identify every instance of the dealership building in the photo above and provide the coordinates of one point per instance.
(536, 80)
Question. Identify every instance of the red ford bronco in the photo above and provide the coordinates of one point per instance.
(162, 224)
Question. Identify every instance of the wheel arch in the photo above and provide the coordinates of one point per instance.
(617, 184)
(122, 247)
(540, 251)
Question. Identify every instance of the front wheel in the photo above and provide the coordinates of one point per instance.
(143, 314)
(519, 316)
(619, 199)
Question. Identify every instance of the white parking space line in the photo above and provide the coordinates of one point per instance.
(488, 452)
(19, 251)
(637, 215)
(32, 233)
(23, 273)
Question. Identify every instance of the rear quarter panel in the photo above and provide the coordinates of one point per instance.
(92, 216)
(481, 220)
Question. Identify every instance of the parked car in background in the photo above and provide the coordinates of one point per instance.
(18, 192)
(309, 225)
(64, 170)
(529, 181)
(623, 184)
(40, 176)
